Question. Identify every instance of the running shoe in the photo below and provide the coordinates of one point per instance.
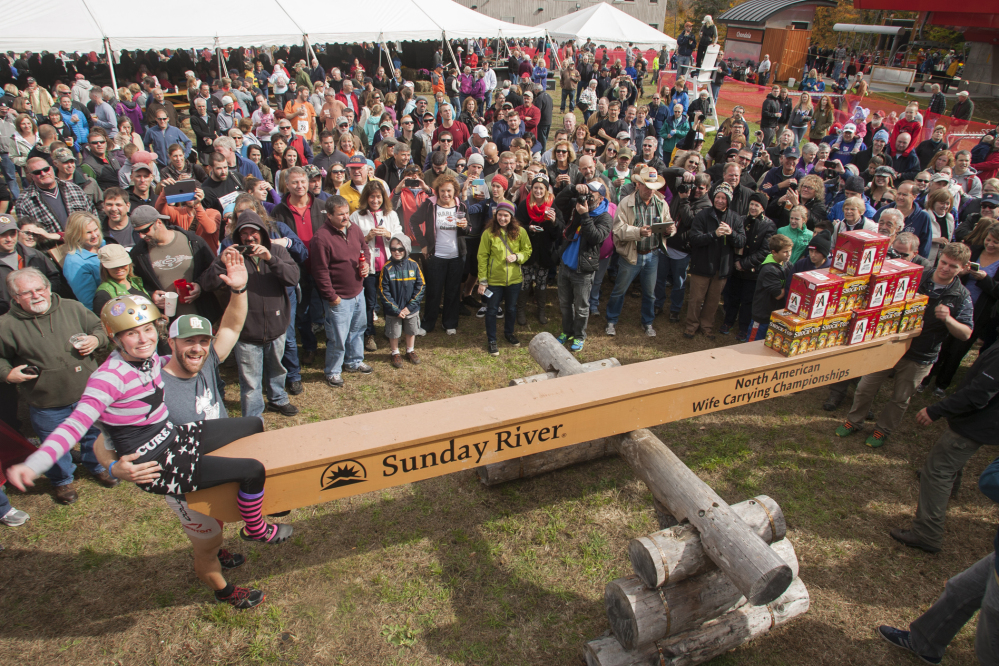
(847, 429)
(563, 338)
(877, 439)
(900, 639)
(577, 344)
(14, 518)
(242, 598)
(230, 560)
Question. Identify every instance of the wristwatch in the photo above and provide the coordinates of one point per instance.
(239, 291)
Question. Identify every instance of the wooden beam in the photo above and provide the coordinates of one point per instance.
(706, 642)
(320, 462)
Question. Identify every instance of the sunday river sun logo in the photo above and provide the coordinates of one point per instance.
(342, 473)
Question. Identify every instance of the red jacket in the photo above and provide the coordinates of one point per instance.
(914, 128)
(350, 101)
(335, 257)
(989, 167)
(531, 115)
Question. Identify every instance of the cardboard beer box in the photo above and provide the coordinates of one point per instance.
(912, 316)
(859, 253)
(854, 294)
(814, 294)
(833, 333)
(881, 287)
(888, 322)
(863, 325)
(792, 335)
(907, 282)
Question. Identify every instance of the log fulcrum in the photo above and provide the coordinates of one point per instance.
(743, 556)
(671, 555)
(556, 362)
(639, 615)
(708, 641)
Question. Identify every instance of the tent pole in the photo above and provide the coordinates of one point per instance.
(218, 51)
(454, 58)
(309, 52)
(388, 55)
(110, 55)
(555, 58)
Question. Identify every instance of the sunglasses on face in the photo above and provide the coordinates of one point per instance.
(407, 122)
(338, 172)
(561, 152)
(988, 206)
(447, 140)
(158, 119)
(920, 180)
(284, 127)
(144, 230)
(398, 249)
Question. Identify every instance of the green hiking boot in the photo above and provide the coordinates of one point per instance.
(847, 429)
(877, 439)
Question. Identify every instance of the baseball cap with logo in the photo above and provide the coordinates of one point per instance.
(357, 160)
(7, 222)
(188, 326)
(342, 120)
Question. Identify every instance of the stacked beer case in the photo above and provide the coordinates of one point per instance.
(860, 297)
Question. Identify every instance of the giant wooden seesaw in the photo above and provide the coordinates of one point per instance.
(717, 576)
(320, 462)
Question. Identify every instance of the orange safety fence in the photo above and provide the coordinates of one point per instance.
(963, 135)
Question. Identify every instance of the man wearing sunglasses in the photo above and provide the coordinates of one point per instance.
(49, 201)
(103, 166)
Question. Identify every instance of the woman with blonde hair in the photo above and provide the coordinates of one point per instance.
(117, 276)
(82, 266)
(801, 117)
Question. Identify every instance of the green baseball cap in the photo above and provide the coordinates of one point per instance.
(188, 326)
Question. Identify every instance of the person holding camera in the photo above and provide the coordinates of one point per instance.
(579, 255)
(262, 339)
(715, 234)
(640, 223)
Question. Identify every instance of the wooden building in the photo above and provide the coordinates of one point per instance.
(780, 28)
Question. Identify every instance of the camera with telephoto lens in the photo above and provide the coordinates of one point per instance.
(584, 199)
(683, 188)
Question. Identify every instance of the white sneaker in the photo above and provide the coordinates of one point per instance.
(649, 331)
(610, 330)
(451, 331)
(481, 312)
(14, 518)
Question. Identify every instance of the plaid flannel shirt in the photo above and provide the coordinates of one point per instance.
(30, 205)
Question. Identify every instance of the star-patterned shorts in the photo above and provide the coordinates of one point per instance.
(179, 462)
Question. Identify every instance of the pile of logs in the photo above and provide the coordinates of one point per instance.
(715, 576)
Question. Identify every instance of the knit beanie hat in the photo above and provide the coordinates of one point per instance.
(821, 243)
(760, 198)
(726, 189)
(501, 179)
(854, 184)
(504, 205)
(881, 135)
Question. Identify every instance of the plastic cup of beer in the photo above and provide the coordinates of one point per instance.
(170, 305)
(78, 340)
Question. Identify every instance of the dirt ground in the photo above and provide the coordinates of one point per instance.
(448, 571)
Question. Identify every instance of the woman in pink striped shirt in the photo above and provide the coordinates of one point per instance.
(125, 395)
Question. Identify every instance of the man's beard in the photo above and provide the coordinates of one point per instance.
(193, 367)
(152, 242)
(40, 307)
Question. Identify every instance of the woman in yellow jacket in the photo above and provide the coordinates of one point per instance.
(503, 249)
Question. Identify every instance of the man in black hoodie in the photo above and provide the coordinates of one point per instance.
(261, 342)
(714, 236)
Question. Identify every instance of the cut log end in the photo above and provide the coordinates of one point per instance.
(620, 614)
(771, 585)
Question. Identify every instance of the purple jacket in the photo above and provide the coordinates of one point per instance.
(134, 113)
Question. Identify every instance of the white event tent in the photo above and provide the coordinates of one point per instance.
(608, 25)
(100, 25)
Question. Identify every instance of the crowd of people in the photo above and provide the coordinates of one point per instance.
(290, 198)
